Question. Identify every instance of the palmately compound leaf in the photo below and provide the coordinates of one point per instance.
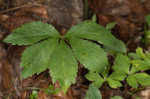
(36, 58)
(143, 79)
(91, 55)
(96, 79)
(92, 31)
(132, 81)
(122, 64)
(63, 66)
(93, 93)
(31, 33)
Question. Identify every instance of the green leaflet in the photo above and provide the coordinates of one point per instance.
(132, 81)
(52, 90)
(116, 97)
(140, 65)
(122, 64)
(138, 78)
(115, 78)
(36, 58)
(147, 18)
(34, 95)
(105, 72)
(111, 25)
(140, 53)
(114, 83)
(31, 33)
(137, 97)
(96, 79)
(119, 76)
(143, 79)
(63, 66)
(94, 18)
(91, 30)
(91, 55)
(93, 93)
(133, 55)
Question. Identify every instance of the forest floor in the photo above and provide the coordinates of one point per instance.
(128, 14)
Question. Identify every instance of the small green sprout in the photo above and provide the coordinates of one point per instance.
(125, 68)
(116, 97)
(34, 94)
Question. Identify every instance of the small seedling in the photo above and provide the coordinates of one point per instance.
(138, 97)
(146, 38)
(113, 80)
(135, 67)
(139, 63)
(125, 68)
(94, 18)
(51, 90)
(34, 94)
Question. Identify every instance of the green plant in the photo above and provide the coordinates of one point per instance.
(93, 93)
(34, 94)
(116, 97)
(51, 90)
(113, 80)
(140, 62)
(146, 38)
(129, 68)
(111, 25)
(147, 18)
(137, 97)
(49, 50)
